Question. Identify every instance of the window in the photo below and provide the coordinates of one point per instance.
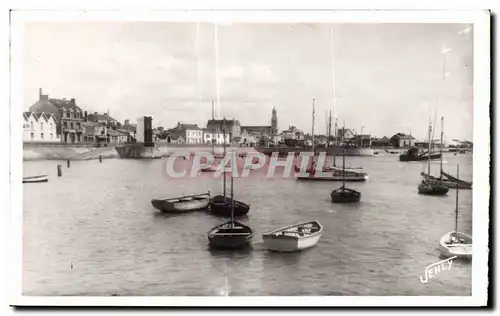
(72, 125)
(41, 135)
(67, 114)
(77, 115)
(51, 127)
(51, 136)
(32, 136)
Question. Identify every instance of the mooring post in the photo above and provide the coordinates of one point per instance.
(59, 171)
(100, 158)
(68, 163)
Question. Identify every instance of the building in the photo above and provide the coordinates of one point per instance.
(103, 118)
(381, 142)
(117, 137)
(40, 127)
(363, 141)
(345, 134)
(144, 132)
(190, 133)
(68, 115)
(232, 127)
(215, 135)
(259, 132)
(293, 136)
(401, 140)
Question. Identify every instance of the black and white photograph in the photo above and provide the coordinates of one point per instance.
(198, 158)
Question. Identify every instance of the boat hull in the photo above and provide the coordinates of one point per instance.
(345, 196)
(462, 250)
(36, 179)
(225, 237)
(182, 205)
(430, 188)
(405, 157)
(221, 206)
(274, 241)
(136, 151)
(448, 183)
(348, 178)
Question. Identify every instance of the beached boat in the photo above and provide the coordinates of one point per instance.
(36, 179)
(456, 243)
(428, 186)
(221, 206)
(293, 238)
(182, 204)
(231, 234)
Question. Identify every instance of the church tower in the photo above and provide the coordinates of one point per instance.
(274, 122)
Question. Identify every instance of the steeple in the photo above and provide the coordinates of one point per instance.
(274, 122)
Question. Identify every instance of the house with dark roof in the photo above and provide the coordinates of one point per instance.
(402, 140)
(102, 118)
(40, 127)
(190, 133)
(69, 116)
(231, 126)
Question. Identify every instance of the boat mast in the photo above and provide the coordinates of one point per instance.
(313, 129)
(213, 131)
(343, 162)
(232, 200)
(456, 203)
(224, 146)
(441, 152)
(429, 153)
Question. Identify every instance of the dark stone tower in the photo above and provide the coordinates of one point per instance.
(274, 122)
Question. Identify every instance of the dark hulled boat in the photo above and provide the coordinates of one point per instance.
(343, 194)
(231, 234)
(413, 154)
(221, 206)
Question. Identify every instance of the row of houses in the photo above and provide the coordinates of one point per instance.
(63, 121)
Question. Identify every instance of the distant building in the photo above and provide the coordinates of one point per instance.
(68, 115)
(144, 132)
(40, 127)
(216, 136)
(293, 136)
(264, 131)
(381, 142)
(117, 137)
(364, 141)
(401, 140)
(345, 134)
(190, 133)
(103, 118)
(232, 127)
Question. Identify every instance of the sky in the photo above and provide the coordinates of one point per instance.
(380, 78)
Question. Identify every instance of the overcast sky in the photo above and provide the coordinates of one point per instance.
(387, 76)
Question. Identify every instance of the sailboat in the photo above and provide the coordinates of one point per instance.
(456, 243)
(231, 234)
(450, 181)
(222, 205)
(427, 186)
(343, 194)
(338, 174)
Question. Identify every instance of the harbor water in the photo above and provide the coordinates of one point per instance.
(93, 231)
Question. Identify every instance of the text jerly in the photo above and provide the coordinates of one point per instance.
(436, 268)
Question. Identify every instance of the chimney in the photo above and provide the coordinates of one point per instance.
(178, 124)
(127, 122)
(85, 114)
(95, 112)
(40, 93)
(72, 101)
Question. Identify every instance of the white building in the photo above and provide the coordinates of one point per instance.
(216, 135)
(40, 127)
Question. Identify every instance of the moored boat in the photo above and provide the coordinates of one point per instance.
(36, 179)
(231, 234)
(337, 175)
(447, 182)
(413, 155)
(293, 238)
(462, 183)
(345, 195)
(221, 205)
(182, 204)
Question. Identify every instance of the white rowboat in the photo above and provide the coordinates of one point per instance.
(293, 238)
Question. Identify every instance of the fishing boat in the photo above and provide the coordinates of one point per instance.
(343, 194)
(231, 234)
(462, 183)
(222, 205)
(456, 243)
(182, 204)
(391, 152)
(427, 186)
(293, 238)
(413, 154)
(36, 179)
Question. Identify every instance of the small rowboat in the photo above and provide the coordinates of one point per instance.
(182, 204)
(293, 238)
(456, 244)
(230, 235)
(345, 195)
(36, 179)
